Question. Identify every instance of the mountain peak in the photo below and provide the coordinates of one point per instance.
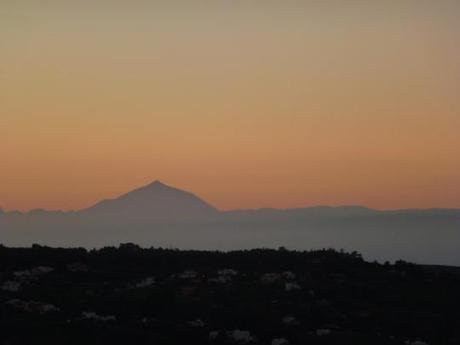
(155, 201)
(157, 183)
(155, 187)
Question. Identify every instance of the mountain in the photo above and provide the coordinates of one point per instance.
(160, 215)
(151, 203)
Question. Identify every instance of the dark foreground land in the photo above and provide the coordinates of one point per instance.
(129, 295)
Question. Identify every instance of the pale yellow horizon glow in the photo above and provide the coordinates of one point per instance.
(247, 104)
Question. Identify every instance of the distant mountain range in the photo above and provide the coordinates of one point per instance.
(160, 215)
(153, 203)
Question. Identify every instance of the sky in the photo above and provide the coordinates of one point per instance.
(246, 103)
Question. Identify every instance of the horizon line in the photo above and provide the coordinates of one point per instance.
(158, 182)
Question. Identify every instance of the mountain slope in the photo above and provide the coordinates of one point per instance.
(153, 202)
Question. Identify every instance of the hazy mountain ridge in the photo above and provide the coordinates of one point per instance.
(164, 197)
(160, 203)
(155, 201)
(160, 215)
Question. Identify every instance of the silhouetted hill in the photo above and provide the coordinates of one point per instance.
(151, 203)
(134, 295)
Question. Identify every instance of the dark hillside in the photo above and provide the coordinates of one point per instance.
(161, 296)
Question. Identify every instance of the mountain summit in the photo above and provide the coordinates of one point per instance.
(155, 201)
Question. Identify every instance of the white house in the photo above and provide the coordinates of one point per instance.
(280, 341)
(240, 336)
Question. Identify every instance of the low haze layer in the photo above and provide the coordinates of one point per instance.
(160, 215)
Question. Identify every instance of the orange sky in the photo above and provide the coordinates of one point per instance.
(245, 103)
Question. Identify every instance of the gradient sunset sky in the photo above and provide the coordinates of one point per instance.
(246, 103)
